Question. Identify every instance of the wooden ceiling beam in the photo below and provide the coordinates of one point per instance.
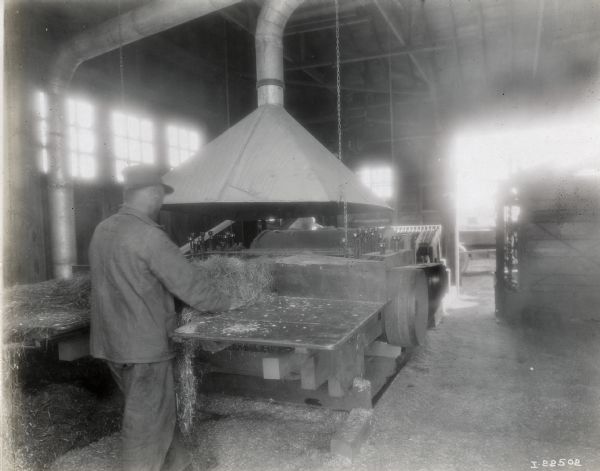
(398, 34)
(369, 57)
(455, 42)
(325, 25)
(538, 38)
(358, 89)
(249, 25)
(432, 67)
(484, 46)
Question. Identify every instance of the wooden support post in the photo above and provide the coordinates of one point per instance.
(315, 371)
(347, 363)
(352, 434)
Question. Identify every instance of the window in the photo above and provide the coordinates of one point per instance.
(81, 139)
(41, 130)
(133, 141)
(378, 179)
(182, 144)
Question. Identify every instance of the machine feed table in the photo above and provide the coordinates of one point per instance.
(303, 342)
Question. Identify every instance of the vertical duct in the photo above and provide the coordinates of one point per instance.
(269, 49)
(142, 22)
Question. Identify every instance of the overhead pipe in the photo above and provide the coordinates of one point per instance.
(152, 18)
(269, 49)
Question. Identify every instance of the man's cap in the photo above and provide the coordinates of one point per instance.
(143, 175)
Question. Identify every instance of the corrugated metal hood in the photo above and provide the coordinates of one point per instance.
(268, 164)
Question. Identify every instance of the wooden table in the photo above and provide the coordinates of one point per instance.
(320, 351)
(286, 321)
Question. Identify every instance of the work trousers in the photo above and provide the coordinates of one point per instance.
(149, 438)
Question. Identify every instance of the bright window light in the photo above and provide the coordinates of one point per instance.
(81, 139)
(378, 179)
(182, 144)
(41, 130)
(133, 141)
(490, 153)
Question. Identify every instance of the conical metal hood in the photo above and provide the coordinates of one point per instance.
(267, 164)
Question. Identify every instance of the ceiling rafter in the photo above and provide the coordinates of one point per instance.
(511, 32)
(248, 24)
(358, 89)
(432, 65)
(400, 38)
(457, 52)
(538, 38)
(482, 30)
(367, 57)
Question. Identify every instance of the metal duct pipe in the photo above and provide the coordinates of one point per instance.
(269, 49)
(129, 27)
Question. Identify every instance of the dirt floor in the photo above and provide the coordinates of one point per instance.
(479, 395)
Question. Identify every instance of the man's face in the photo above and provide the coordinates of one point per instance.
(157, 196)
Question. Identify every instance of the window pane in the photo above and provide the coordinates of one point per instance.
(72, 138)
(84, 115)
(119, 166)
(172, 136)
(86, 141)
(121, 147)
(87, 167)
(183, 139)
(73, 165)
(183, 143)
(147, 152)
(133, 127)
(194, 141)
(133, 140)
(119, 124)
(173, 157)
(43, 134)
(44, 162)
(41, 105)
(70, 112)
(146, 130)
(135, 150)
(378, 179)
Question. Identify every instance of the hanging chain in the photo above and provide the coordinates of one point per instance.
(121, 62)
(337, 78)
(339, 116)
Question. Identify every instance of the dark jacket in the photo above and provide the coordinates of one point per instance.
(135, 270)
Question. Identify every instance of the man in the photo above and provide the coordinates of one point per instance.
(136, 270)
